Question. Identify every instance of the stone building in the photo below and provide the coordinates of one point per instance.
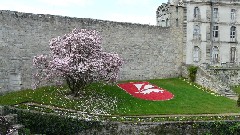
(210, 38)
(210, 27)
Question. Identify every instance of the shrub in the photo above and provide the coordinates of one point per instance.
(238, 101)
(24, 131)
(192, 70)
(50, 124)
(4, 125)
(61, 125)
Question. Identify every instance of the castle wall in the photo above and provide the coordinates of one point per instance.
(148, 51)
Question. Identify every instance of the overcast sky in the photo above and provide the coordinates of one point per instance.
(135, 11)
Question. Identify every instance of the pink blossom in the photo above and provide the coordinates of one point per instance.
(77, 58)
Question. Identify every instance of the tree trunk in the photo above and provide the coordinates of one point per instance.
(77, 87)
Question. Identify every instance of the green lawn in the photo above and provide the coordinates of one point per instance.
(236, 89)
(188, 99)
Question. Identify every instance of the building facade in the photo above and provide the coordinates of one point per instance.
(211, 30)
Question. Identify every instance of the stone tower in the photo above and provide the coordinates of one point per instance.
(173, 15)
(170, 14)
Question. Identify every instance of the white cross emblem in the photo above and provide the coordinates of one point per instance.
(147, 89)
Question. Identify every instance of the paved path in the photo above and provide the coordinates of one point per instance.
(234, 98)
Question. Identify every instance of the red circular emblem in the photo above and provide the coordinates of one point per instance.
(145, 90)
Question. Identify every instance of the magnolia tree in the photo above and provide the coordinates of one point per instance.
(78, 59)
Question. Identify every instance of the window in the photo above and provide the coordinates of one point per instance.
(196, 12)
(163, 23)
(215, 53)
(177, 23)
(233, 14)
(215, 12)
(232, 33)
(167, 22)
(196, 30)
(196, 54)
(233, 54)
(215, 31)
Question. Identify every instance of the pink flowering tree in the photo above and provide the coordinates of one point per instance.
(77, 58)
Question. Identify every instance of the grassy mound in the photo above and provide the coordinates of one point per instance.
(188, 99)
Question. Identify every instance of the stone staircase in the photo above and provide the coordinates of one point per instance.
(217, 84)
(8, 124)
(230, 94)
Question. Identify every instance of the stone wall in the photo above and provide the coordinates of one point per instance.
(147, 51)
(217, 80)
(164, 128)
(209, 81)
(229, 76)
(8, 123)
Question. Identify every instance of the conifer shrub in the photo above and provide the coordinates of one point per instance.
(238, 101)
(192, 71)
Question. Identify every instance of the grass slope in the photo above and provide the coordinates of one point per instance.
(187, 100)
(236, 89)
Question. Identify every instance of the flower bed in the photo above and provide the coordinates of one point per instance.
(146, 91)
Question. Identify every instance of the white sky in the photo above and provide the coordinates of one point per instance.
(135, 11)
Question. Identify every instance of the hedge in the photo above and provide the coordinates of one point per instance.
(51, 124)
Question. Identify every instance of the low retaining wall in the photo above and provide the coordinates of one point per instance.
(170, 128)
(218, 80)
(8, 123)
(230, 76)
(45, 123)
(204, 79)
